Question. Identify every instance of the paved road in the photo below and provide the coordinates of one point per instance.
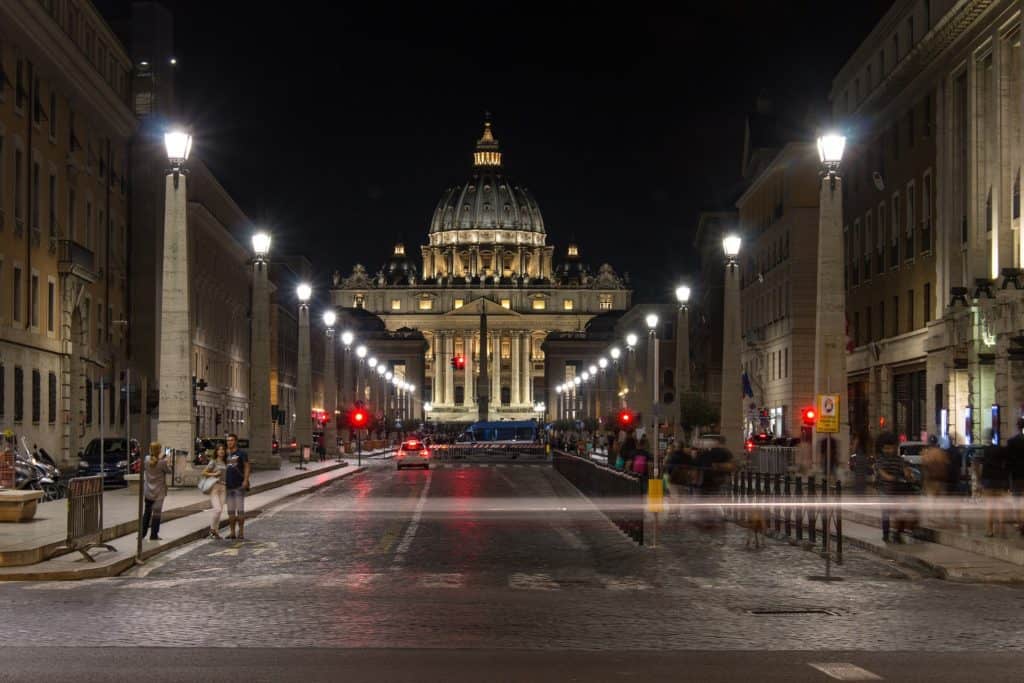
(505, 560)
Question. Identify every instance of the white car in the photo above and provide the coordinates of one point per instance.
(412, 453)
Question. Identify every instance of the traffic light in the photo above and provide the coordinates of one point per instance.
(810, 416)
(458, 362)
(626, 419)
(358, 418)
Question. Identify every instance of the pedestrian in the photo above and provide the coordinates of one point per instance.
(1015, 455)
(861, 463)
(154, 490)
(995, 483)
(713, 464)
(892, 477)
(216, 469)
(236, 482)
(935, 471)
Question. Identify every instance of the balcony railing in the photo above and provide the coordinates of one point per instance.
(76, 259)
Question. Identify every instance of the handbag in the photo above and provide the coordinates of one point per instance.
(620, 463)
(207, 483)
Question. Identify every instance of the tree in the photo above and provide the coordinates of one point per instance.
(695, 411)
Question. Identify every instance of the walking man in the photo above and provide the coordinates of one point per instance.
(236, 482)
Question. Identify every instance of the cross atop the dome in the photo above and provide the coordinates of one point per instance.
(487, 152)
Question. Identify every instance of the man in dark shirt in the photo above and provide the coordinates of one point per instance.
(1015, 456)
(236, 481)
(891, 477)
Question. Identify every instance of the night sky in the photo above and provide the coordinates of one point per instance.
(338, 127)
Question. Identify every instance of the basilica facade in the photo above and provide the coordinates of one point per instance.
(486, 254)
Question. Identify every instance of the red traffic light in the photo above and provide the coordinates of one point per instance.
(626, 419)
(459, 362)
(810, 416)
(358, 418)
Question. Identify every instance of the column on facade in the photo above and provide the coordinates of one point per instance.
(526, 375)
(496, 368)
(469, 395)
(537, 270)
(516, 382)
(449, 373)
(437, 381)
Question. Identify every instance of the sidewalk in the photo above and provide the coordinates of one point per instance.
(28, 543)
(182, 530)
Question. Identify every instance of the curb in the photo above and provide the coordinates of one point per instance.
(101, 571)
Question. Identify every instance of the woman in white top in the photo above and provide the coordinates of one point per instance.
(216, 469)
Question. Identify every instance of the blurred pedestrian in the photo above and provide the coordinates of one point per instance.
(216, 470)
(861, 463)
(995, 483)
(1015, 455)
(892, 477)
(154, 490)
(236, 481)
(935, 472)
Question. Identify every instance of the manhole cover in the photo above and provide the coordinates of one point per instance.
(792, 612)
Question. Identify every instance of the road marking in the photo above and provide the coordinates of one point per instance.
(533, 582)
(410, 532)
(463, 466)
(501, 464)
(154, 564)
(484, 464)
(441, 580)
(844, 671)
(624, 583)
(229, 552)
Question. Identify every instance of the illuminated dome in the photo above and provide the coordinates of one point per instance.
(490, 208)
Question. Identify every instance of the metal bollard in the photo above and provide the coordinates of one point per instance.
(812, 517)
(799, 512)
(839, 523)
(789, 510)
(777, 485)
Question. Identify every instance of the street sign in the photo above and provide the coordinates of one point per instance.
(828, 413)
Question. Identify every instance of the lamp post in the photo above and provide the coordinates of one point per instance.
(558, 402)
(731, 417)
(652, 358)
(382, 395)
(360, 380)
(615, 352)
(175, 429)
(602, 387)
(585, 394)
(371, 362)
(303, 384)
(575, 386)
(682, 356)
(593, 397)
(347, 395)
(261, 452)
(631, 342)
(330, 443)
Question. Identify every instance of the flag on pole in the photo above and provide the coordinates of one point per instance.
(747, 389)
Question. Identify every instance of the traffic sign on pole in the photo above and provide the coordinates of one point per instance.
(828, 414)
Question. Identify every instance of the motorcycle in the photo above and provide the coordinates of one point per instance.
(36, 470)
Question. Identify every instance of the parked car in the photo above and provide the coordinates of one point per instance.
(412, 453)
(115, 459)
(910, 451)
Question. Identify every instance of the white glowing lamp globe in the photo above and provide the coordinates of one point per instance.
(615, 353)
(411, 388)
(576, 381)
(652, 321)
(558, 389)
(830, 149)
(602, 363)
(395, 380)
(593, 370)
(303, 291)
(731, 246)
(585, 375)
(388, 376)
(682, 294)
(427, 407)
(329, 318)
(361, 351)
(381, 369)
(261, 244)
(631, 340)
(347, 337)
(179, 146)
(372, 362)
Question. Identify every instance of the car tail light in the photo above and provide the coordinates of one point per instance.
(425, 453)
(401, 454)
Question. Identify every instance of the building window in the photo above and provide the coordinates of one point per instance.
(908, 252)
(868, 326)
(359, 301)
(53, 115)
(988, 211)
(19, 85)
(426, 304)
(72, 223)
(926, 212)
(880, 251)
(1016, 194)
(894, 246)
(895, 316)
(567, 304)
(506, 303)
(459, 303)
(911, 326)
(539, 304)
(869, 241)
(927, 303)
(19, 394)
(34, 301)
(19, 209)
(34, 199)
(856, 329)
(53, 208)
(36, 396)
(51, 295)
(881, 320)
(16, 307)
(605, 302)
(506, 349)
(396, 304)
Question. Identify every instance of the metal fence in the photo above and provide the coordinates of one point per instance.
(85, 515)
(789, 507)
(489, 451)
(619, 496)
(773, 459)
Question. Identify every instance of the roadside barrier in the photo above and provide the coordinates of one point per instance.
(85, 516)
(773, 459)
(619, 496)
(510, 451)
(789, 505)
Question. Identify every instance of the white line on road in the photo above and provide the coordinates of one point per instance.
(410, 532)
(844, 671)
(442, 580)
(154, 564)
(533, 582)
(624, 583)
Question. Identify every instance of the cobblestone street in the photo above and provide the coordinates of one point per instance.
(429, 559)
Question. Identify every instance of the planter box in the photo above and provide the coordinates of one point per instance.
(18, 506)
